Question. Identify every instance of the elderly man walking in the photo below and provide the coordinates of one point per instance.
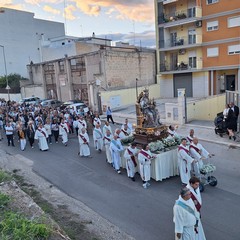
(185, 217)
(116, 149)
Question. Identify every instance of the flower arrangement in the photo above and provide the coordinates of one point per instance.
(156, 146)
(208, 168)
(127, 140)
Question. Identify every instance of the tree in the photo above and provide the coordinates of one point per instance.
(13, 80)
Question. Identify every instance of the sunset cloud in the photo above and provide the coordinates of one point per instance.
(51, 10)
(69, 12)
(10, 4)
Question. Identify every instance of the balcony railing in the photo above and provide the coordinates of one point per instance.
(183, 66)
(195, 12)
(182, 41)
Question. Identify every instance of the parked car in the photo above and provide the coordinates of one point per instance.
(31, 100)
(53, 103)
(77, 106)
(69, 102)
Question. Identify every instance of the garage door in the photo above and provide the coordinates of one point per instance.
(183, 80)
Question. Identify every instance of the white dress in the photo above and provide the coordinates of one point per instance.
(116, 148)
(81, 124)
(144, 159)
(184, 220)
(107, 141)
(98, 138)
(83, 140)
(130, 165)
(184, 163)
(41, 135)
(63, 131)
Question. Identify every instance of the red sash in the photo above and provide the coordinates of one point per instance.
(145, 155)
(182, 148)
(189, 139)
(125, 133)
(40, 130)
(196, 202)
(107, 138)
(64, 128)
(82, 123)
(83, 138)
(197, 150)
(132, 157)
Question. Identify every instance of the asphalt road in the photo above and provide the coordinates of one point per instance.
(145, 214)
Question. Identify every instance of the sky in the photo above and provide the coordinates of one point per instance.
(120, 20)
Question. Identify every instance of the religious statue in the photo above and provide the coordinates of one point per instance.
(147, 109)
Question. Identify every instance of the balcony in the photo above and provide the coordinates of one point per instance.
(180, 17)
(191, 66)
(181, 42)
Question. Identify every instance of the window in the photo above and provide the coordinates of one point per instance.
(234, 22)
(192, 59)
(192, 36)
(212, 1)
(234, 49)
(212, 52)
(211, 26)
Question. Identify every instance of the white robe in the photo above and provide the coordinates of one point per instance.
(96, 121)
(145, 165)
(98, 138)
(42, 139)
(105, 128)
(197, 194)
(83, 147)
(184, 164)
(81, 124)
(107, 147)
(116, 150)
(129, 162)
(198, 155)
(63, 131)
(130, 128)
(189, 139)
(185, 221)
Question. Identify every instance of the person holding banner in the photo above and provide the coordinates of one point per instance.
(83, 140)
(41, 135)
(131, 161)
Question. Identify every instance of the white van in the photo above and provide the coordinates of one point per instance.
(76, 107)
(31, 100)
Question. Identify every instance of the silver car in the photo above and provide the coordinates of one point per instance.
(51, 103)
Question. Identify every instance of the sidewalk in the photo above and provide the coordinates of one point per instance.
(204, 130)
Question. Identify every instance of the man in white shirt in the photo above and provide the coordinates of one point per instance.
(9, 134)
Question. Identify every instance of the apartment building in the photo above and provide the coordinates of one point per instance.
(198, 46)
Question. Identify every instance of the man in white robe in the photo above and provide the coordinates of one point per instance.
(96, 120)
(131, 160)
(184, 161)
(81, 123)
(63, 131)
(125, 132)
(129, 125)
(199, 153)
(83, 140)
(193, 186)
(172, 132)
(41, 135)
(144, 158)
(190, 136)
(106, 127)
(98, 138)
(107, 140)
(185, 216)
(116, 149)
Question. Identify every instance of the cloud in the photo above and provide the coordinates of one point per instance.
(69, 12)
(141, 10)
(145, 39)
(9, 4)
(51, 10)
(38, 2)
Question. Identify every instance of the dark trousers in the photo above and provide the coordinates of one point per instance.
(76, 131)
(56, 135)
(49, 139)
(31, 141)
(110, 117)
(10, 139)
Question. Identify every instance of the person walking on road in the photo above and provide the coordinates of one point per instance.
(185, 216)
(98, 138)
(109, 114)
(144, 158)
(9, 134)
(193, 186)
(131, 160)
(83, 139)
(63, 131)
(107, 140)
(116, 149)
(41, 135)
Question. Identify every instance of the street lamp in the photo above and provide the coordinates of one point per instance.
(5, 64)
